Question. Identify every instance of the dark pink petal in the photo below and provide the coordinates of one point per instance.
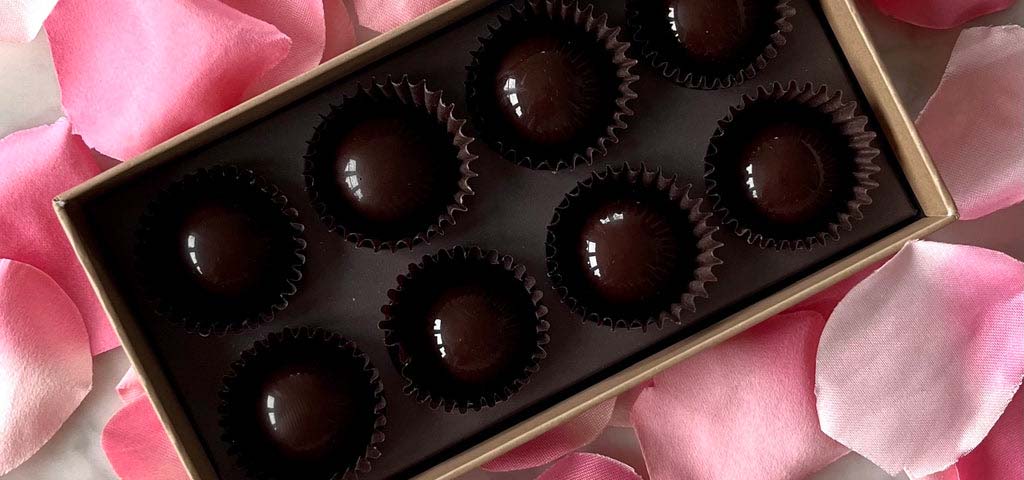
(743, 409)
(45, 363)
(974, 123)
(38, 164)
(134, 73)
(589, 466)
(921, 358)
(302, 21)
(940, 13)
(557, 442)
(341, 33)
(137, 447)
(383, 15)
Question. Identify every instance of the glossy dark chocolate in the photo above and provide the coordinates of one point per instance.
(712, 31)
(310, 413)
(788, 172)
(224, 248)
(628, 251)
(391, 165)
(547, 88)
(477, 331)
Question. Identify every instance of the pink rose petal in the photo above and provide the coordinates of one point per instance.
(974, 123)
(38, 164)
(134, 73)
(303, 22)
(383, 15)
(137, 447)
(20, 20)
(341, 33)
(921, 358)
(743, 409)
(589, 466)
(45, 363)
(130, 387)
(557, 442)
(1001, 454)
(940, 13)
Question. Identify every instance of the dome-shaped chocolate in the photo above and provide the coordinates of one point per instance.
(629, 251)
(226, 250)
(790, 173)
(395, 166)
(548, 88)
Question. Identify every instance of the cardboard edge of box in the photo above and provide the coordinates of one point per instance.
(934, 200)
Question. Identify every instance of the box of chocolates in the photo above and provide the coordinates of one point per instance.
(439, 245)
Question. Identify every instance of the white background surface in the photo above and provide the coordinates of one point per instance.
(29, 96)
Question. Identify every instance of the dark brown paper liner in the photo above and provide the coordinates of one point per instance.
(654, 184)
(569, 16)
(471, 398)
(319, 158)
(262, 358)
(654, 44)
(844, 122)
(175, 295)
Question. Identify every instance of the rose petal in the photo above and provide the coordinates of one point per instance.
(974, 123)
(920, 359)
(137, 446)
(303, 22)
(589, 466)
(743, 409)
(940, 13)
(38, 164)
(383, 15)
(45, 361)
(130, 387)
(1001, 454)
(341, 33)
(134, 73)
(20, 20)
(556, 442)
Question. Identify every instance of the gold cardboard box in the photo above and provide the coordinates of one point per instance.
(935, 203)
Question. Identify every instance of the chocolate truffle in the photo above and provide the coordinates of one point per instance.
(713, 31)
(465, 328)
(628, 251)
(478, 330)
(790, 173)
(548, 88)
(310, 413)
(224, 248)
(395, 166)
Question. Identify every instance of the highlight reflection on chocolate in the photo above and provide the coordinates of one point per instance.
(713, 31)
(309, 413)
(478, 331)
(392, 165)
(629, 251)
(790, 173)
(224, 248)
(548, 88)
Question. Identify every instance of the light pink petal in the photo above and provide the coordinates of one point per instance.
(624, 406)
(1001, 454)
(45, 364)
(303, 22)
(383, 15)
(341, 33)
(137, 446)
(557, 442)
(950, 473)
(743, 409)
(589, 466)
(973, 125)
(134, 73)
(921, 358)
(940, 13)
(20, 20)
(130, 387)
(38, 164)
